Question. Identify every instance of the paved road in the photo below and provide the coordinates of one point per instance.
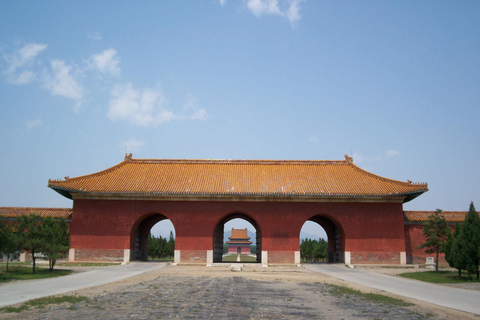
(26, 290)
(460, 299)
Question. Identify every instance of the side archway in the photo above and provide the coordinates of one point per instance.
(139, 235)
(219, 232)
(335, 237)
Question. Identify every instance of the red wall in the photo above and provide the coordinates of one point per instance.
(369, 230)
(414, 238)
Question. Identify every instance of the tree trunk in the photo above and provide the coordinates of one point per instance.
(436, 262)
(33, 259)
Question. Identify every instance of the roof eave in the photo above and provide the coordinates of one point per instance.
(62, 191)
(235, 197)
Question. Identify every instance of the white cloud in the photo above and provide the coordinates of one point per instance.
(145, 107)
(21, 59)
(200, 114)
(95, 36)
(222, 2)
(260, 7)
(133, 145)
(33, 124)
(137, 107)
(192, 106)
(61, 82)
(358, 158)
(293, 11)
(392, 153)
(291, 8)
(106, 62)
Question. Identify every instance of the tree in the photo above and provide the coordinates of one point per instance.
(470, 241)
(8, 244)
(453, 251)
(56, 240)
(436, 232)
(313, 250)
(30, 235)
(170, 245)
(160, 247)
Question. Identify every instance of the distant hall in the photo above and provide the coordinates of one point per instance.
(239, 242)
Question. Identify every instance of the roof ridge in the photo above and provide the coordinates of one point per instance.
(238, 161)
(408, 182)
(98, 173)
(33, 208)
(433, 211)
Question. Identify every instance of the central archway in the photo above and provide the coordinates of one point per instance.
(140, 233)
(219, 232)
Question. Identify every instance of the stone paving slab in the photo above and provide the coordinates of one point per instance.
(232, 297)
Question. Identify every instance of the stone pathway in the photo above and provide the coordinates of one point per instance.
(226, 297)
(21, 291)
(455, 298)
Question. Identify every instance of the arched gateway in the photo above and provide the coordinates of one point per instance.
(361, 212)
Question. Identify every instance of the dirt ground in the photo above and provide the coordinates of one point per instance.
(219, 292)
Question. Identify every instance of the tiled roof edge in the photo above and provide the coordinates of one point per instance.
(408, 182)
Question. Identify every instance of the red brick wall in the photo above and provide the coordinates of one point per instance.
(98, 255)
(375, 258)
(193, 256)
(414, 238)
(281, 257)
(112, 224)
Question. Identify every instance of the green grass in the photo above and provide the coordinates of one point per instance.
(243, 258)
(43, 302)
(439, 277)
(86, 264)
(375, 297)
(160, 259)
(20, 272)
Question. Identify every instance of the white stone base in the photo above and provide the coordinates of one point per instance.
(209, 258)
(71, 255)
(297, 257)
(348, 258)
(176, 256)
(126, 256)
(265, 259)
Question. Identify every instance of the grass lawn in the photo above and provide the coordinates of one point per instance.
(243, 258)
(22, 272)
(375, 297)
(439, 277)
(87, 264)
(43, 302)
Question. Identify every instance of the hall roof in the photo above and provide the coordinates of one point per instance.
(239, 236)
(16, 212)
(241, 179)
(422, 216)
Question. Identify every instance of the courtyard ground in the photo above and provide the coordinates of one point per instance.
(197, 292)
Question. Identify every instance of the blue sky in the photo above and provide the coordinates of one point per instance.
(396, 84)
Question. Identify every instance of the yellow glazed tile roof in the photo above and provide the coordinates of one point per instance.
(16, 212)
(239, 234)
(421, 216)
(234, 178)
